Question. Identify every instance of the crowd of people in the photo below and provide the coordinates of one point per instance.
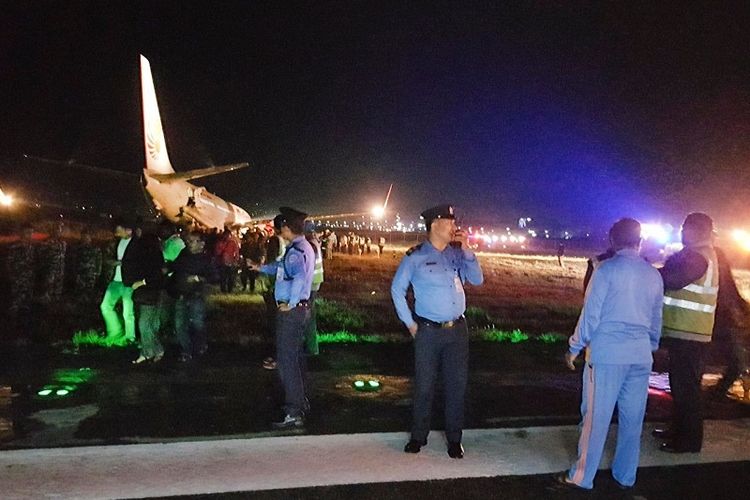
(350, 243)
(630, 310)
(148, 280)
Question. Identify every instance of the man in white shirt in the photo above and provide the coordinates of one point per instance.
(117, 291)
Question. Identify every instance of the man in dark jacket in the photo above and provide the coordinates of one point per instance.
(118, 254)
(191, 270)
(142, 272)
(730, 328)
(691, 286)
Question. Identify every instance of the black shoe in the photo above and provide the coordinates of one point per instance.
(455, 450)
(621, 486)
(413, 446)
(663, 433)
(670, 447)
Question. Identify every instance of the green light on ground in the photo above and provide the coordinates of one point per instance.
(44, 392)
(62, 392)
(366, 386)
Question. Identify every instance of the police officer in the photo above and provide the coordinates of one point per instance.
(437, 270)
(294, 277)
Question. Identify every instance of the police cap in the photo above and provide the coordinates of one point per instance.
(288, 215)
(438, 212)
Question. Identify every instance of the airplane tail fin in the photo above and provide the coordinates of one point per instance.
(157, 159)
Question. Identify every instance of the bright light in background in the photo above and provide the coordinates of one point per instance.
(6, 200)
(742, 238)
(378, 212)
(656, 232)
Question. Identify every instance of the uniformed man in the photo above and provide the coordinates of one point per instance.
(88, 269)
(21, 263)
(294, 276)
(437, 270)
(52, 266)
(691, 287)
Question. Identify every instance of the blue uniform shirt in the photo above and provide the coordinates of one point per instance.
(437, 279)
(621, 317)
(294, 274)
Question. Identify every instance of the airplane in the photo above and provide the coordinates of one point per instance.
(167, 191)
(170, 192)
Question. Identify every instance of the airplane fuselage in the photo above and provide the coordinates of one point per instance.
(185, 203)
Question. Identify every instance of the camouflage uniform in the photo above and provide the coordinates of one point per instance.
(52, 269)
(21, 264)
(88, 271)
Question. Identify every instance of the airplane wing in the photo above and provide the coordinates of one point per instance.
(198, 173)
(80, 166)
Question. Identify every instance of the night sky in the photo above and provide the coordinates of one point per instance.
(569, 112)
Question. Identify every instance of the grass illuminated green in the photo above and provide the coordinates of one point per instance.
(335, 316)
(89, 338)
(551, 338)
(345, 337)
(495, 335)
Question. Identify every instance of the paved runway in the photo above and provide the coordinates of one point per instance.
(183, 468)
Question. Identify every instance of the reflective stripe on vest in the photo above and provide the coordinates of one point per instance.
(318, 271)
(686, 304)
(691, 310)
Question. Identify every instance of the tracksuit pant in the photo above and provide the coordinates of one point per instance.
(605, 385)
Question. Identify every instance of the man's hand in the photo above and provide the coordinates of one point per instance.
(462, 237)
(570, 359)
(138, 284)
(284, 308)
(413, 329)
(193, 278)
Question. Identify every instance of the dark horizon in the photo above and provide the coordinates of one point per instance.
(575, 115)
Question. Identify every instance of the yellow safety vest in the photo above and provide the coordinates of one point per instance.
(689, 313)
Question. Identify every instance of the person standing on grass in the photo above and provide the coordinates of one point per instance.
(294, 277)
(190, 272)
(437, 269)
(143, 273)
(311, 332)
(620, 327)
(116, 291)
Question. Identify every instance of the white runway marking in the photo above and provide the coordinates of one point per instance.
(184, 468)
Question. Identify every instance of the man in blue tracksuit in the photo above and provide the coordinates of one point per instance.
(437, 269)
(620, 327)
(294, 277)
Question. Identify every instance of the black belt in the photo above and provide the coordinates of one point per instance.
(438, 324)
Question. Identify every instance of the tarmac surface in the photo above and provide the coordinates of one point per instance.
(244, 465)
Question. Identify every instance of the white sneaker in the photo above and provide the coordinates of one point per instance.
(289, 422)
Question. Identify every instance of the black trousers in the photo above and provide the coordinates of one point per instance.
(686, 363)
(446, 350)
